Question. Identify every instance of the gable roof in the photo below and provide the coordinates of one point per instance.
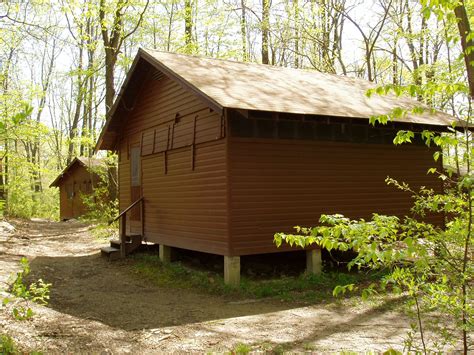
(77, 161)
(248, 86)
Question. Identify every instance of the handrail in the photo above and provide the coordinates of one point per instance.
(126, 210)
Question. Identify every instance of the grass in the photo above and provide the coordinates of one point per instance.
(103, 231)
(7, 345)
(242, 349)
(305, 287)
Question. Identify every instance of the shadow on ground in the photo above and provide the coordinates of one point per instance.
(92, 288)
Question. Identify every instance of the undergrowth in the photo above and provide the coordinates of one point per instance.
(102, 231)
(305, 287)
(7, 345)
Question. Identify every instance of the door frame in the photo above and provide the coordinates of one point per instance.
(136, 191)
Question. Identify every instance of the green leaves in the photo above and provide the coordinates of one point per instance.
(403, 137)
(37, 292)
(342, 289)
(423, 260)
(23, 115)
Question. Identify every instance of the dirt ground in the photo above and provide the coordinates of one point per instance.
(101, 306)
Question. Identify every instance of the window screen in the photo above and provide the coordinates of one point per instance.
(135, 166)
(69, 191)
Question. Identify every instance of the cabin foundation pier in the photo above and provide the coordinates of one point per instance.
(165, 253)
(313, 261)
(232, 270)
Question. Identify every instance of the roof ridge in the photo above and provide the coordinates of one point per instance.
(267, 66)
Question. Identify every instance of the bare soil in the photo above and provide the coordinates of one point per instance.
(101, 306)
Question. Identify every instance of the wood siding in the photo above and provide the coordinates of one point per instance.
(228, 196)
(183, 168)
(187, 208)
(77, 179)
(277, 184)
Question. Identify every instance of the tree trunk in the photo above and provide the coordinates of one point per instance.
(110, 61)
(188, 26)
(77, 110)
(466, 43)
(297, 33)
(265, 30)
(243, 31)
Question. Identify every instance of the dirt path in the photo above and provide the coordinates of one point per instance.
(101, 306)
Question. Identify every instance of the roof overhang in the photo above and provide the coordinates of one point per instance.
(77, 161)
(63, 173)
(143, 66)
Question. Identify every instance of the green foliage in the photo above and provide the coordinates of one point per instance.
(241, 349)
(23, 202)
(306, 287)
(104, 230)
(424, 260)
(37, 292)
(7, 345)
(102, 203)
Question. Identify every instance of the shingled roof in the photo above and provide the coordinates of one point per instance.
(87, 163)
(249, 86)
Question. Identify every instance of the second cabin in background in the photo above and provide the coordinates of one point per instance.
(216, 156)
(77, 180)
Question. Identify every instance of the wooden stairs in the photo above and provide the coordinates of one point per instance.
(112, 252)
(127, 243)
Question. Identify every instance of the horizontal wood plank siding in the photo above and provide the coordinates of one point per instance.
(186, 208)
(183, 166)
(124, 175)
(277, 184)
(159, 102)
(74, 207)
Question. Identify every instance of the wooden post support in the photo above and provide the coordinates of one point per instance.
(313, 261)
(142, 217)
(165, 253)
(123, 233)
(232, 270)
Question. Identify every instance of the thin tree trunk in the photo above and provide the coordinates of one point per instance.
(77, 110)
(466, 43)
(265, 30)
(243, 31)
(188, 26)
(297, 33)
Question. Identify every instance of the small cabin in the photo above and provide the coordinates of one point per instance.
(79, 178)
(216, 156)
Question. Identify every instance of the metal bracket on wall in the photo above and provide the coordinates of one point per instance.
(171, 136)
(141, 143)
(165, 162)
(154, 141)
(193, 142)
(222, 133)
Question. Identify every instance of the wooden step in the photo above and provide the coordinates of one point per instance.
(115, 243)
(132, 243)
(110, 252)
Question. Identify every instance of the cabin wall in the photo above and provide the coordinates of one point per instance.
(78, 181)
(183, 168)
(187, 208)
(276, 184)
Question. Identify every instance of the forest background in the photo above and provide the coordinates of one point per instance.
(62, 62)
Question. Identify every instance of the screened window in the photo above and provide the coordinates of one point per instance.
(266, 125)
(135, 166)
(69, 191)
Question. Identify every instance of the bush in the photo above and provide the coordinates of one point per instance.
(7, 345)
(37, 292)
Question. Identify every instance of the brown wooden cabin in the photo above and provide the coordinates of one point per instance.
(222, 154)
(77, 179)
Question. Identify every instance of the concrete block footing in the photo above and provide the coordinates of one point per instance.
(165, 253)
(314, 263)
(232, 270)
